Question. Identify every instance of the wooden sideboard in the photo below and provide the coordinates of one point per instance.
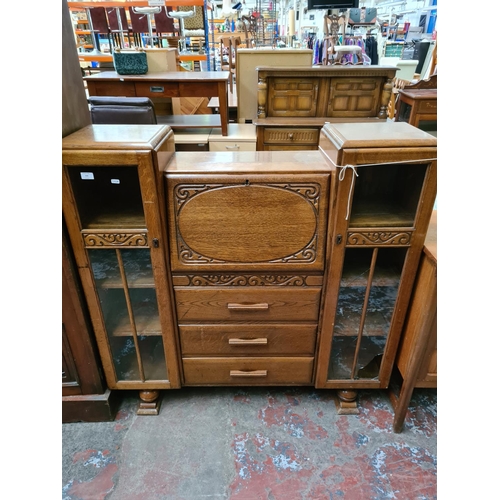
(167, 85)
(253, 267)
(295, 102)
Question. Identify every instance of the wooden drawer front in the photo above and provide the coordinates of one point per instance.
(212, 304)
(354, 97)
(156, 89)
(292, 97)
(291, 136)
(248, 223)
(120, 89)
(427, 106)
(237, 339)
(232, 146)
(248, 371)
(288, 147)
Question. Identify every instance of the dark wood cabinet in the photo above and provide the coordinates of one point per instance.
(85, 396)
(115, 216)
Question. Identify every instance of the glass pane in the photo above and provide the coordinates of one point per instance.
(344, 363)
(107, 197)
(142, 305)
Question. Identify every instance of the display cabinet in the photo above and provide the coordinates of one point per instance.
(114, 212)
(385, 189)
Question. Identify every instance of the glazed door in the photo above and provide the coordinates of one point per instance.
(372, 268)
(113, 215)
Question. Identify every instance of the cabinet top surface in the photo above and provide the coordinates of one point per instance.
(126, 137)
(176, 76)
(420, 93)
(389, 71)
(229, 162)
(378, 135)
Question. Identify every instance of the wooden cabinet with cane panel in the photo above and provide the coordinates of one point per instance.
(385, 191)
(114, 211)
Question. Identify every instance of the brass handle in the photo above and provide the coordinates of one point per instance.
(156, 89)
(248, 307)
(247, 341)
(290, 136)
(253, 373)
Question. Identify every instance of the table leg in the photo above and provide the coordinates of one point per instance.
(223, 107)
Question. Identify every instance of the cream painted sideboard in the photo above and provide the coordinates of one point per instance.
(247, 60)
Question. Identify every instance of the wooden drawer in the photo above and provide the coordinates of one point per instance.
(232, 146)
(238, 339)
(156, 89)
(245, 304)
(248, 222)
(248, 371)
(125, 89)
(291, 136)
(426, 106)
(288, 147)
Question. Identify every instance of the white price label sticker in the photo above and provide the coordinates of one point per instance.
(87, 176)
(115, 181)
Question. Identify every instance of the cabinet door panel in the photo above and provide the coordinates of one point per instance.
(129, 308)
(249, 222)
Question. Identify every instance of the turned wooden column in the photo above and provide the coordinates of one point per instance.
(150, 403)
(386, 97)
(346, 402)
(261, 95)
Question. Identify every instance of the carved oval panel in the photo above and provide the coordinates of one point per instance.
(247, 223)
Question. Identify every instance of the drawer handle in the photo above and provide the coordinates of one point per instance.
(247, 341)
(156, 89)
(290, 136)
(236, 146)
(253, 373)
(248, 307)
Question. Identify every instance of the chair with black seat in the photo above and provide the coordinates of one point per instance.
(122, 110)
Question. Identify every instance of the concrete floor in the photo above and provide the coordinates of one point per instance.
(253, 444)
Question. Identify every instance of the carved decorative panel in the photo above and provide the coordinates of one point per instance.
(244, 280)
(115, 239)
(376, 238)
(247, 222)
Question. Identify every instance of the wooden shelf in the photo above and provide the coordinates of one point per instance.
(134, 3)
(137, 264)
(113, 220)
(145, 308)
(93, 57)
(368, 214)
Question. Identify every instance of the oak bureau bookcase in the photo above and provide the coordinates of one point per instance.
(253, 267)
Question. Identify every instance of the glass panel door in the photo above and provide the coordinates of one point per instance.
(126, 289)
(367, 295)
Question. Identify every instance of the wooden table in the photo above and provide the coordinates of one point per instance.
(417, 105)
(169, 84)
